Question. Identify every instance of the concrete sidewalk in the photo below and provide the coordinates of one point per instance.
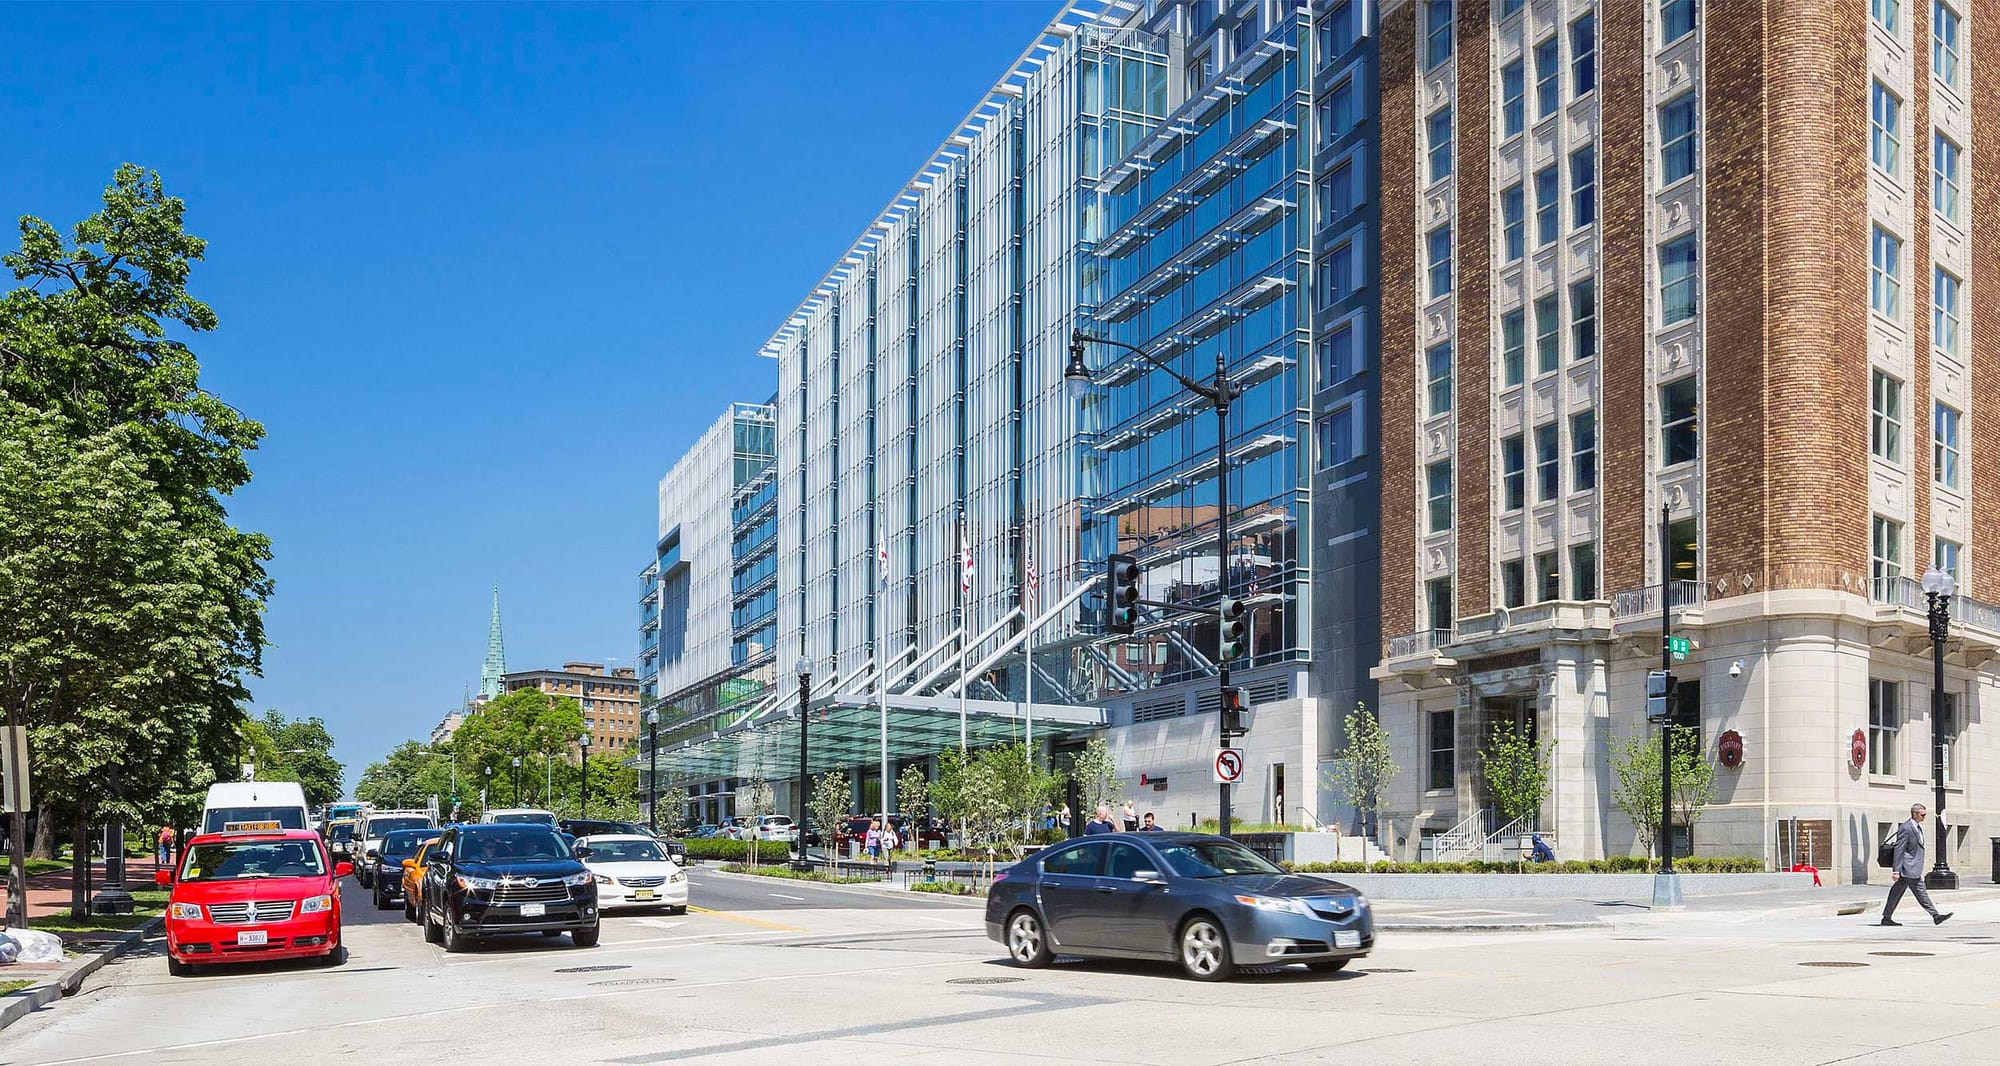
(49, 893)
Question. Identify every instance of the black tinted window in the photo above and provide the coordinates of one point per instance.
(1084, 859)
(502, 845)
(1126, 861)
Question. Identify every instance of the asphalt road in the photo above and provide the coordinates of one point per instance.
(772, 971)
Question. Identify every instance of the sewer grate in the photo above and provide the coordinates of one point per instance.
(1385, 969)
(626, 982)
(1834, 965)
(590, 969)
(983, 980)
(1904, 954)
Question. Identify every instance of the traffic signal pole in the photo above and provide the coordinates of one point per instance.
(1667, 723)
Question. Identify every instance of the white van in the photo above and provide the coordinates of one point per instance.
(238, 806)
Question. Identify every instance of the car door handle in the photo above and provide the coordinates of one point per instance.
(1105, 890)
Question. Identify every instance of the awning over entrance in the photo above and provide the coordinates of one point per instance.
(846, 732)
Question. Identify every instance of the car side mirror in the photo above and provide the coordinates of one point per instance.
(1151, 877)
(583, 853)
(376, 855)
(163, 877)
(342, 869)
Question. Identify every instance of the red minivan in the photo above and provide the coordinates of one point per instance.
(261, 894)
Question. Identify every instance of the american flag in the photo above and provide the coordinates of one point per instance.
(882, 564)
(1034, 579)
(964, 561)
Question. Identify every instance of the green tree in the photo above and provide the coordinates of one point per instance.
(1095, 772)
(1636, 765)
(405, 779)
(304, 752)
(1023, 789)
(671, 807)
(1516, 771)
(1694, 781)
(913, 801)
(527, 723)
(1363, 772)
(828, 805)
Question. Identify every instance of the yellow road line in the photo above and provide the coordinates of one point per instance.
(759, 922)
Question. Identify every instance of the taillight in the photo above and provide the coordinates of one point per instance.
(999, 877)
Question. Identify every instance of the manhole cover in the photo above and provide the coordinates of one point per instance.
(983, 980)
(1834, 965)
(1904, 954)
(624, 982)
(1385, 969)
(590, 969)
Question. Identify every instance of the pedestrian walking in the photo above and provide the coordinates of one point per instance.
(889, 841)
(1100, 823)
(1131, 818)
(1907, 864)
(872, 842)
(166, 852)
(1062, 819)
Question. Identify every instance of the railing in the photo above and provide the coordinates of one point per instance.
(1468, 836)
(1415, 643)
(1908, 592)
(1647, 600)
(1495, 844)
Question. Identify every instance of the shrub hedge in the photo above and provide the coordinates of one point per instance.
(723, 850)
(788, 874)
(946, 888)
(1622, 864)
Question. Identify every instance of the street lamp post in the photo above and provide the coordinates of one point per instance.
(1220, 394)
(804, 668)
(483, 789)
(517, 780)
(653, 769)
(583, 783)
(1939, 587)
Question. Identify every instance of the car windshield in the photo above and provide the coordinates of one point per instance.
(343, 831)
(1215, 858)
(625, 851)
(502, 845)
(249, 860)
(219, 819)
(385, 826)
(403, 844)
(528, 818)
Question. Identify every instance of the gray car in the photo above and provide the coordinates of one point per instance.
(1204, 901)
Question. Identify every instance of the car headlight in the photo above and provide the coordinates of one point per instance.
(1273, 903)
(316, 905)
(603, 880)
(478, 884)
(676, 877)
(187, 912)
(583, 878)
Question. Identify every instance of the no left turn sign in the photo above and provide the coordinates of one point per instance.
(1228, 766)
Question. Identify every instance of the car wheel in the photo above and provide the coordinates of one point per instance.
(677, 910)
(1028, 941)
(585, 938)
(1328, 965)
(431, 934)
(1205, 950)
(336, 957)
(454, 941)
(177, 968)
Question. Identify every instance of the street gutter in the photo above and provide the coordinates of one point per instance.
(66, 981)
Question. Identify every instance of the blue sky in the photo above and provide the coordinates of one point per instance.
(483, 272)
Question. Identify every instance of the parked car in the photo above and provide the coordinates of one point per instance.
(705, 831)
(1205, 901)
(253, 896)
(413, 881)
(594, 827)
(771, 827)
(633, 870)
(484, 880)
(386, 886)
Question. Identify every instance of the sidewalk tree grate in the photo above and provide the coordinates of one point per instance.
(984, 980)
(627, 982)
(591, 969)
(1834, 965)
(1904, 954)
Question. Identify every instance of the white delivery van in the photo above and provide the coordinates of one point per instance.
(247, 806)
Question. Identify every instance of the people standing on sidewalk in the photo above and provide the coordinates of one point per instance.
(1908, 869)
(165, 854)
(1062, 819)
(1150, 825)
(1099, 823)
(1131, 818)
(872, 842)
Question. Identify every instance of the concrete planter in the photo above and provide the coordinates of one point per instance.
(1557, 886)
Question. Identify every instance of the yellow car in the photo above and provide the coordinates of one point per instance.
(413, 881)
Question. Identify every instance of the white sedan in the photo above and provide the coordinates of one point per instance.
(633, 871)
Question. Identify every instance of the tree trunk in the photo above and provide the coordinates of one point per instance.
(45, 832)
(79, 870)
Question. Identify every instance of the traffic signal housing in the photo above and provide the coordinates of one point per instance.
(1660, 687)
(1121, 594)
(1235, 711)
(1233, 630)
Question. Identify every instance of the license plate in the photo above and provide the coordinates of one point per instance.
(252, 938)
(533, 910)
(1347, 938)
(644, 893)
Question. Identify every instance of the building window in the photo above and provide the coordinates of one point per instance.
(1886, 12)
(1438, 359)
(1945, 27)
(1676, 20)
(1437, 25)
(1439, 127)
(1678, 122)
(1510, 7)
(1513, 583)
(1336, 274)
(1885, 138)
(1885, 436)
(1583, 319)
(1548, 461)
(1438, 476)
(1548, 578)
(1678, 279)
(1583, 55)
(1443, 773)
(1548, 210)
(1583, 186)
(1336, 112)
(1885, 723)
(1337, 444)
(1245, 36)
(1514, 472)
(1583, 571)
(1885, 274)
(1684, 550)
(1945, 556)
(1513, 102)
(1437, 603)
(1513, 346)
(1336, 355)
(1338, 30)
(1583, 451)
(1513, 223)
(1548, 335)
(1336, 193)
(1885, 551)
(1945, 288)
(1945, 435)
(1439, 243)
(1945, 158)
(1548, 83)
(1680, 440)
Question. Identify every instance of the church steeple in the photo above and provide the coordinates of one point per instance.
(496, 654)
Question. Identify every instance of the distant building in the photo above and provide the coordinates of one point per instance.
(610, 701)
(444, 730)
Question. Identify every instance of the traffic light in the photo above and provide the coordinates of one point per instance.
(1121, 594)
(1234, 629)
(1659, 686)
(1235, 711)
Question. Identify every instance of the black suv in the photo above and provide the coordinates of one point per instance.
(482, 880)
(387, 861)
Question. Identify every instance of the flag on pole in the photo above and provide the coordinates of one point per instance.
(882, 565)
(1033, 580)
(964, 561)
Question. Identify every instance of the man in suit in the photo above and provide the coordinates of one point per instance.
(1909, 869)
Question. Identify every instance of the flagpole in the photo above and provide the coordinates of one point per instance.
(882, 672)
(1028, 649)
(964, 594)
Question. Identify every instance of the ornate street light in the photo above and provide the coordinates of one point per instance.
(1939, 587)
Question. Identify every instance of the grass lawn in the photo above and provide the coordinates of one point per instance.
(8, 988)
(147, 903)
(788, 874)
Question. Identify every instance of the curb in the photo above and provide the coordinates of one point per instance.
(66, 981)
(1485, 927)
(885, 889)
